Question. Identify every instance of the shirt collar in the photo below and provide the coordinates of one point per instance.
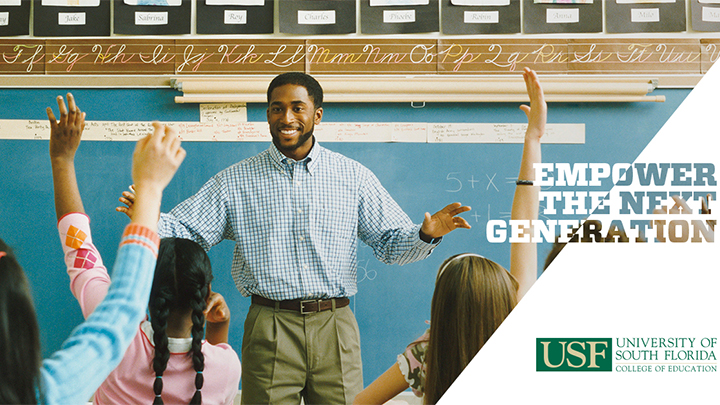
(175, 345)
(312, 158)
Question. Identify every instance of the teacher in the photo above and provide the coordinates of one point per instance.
(295, 212)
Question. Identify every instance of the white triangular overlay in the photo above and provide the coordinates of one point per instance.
(618, 290)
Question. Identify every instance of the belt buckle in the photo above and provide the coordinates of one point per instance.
(302, 306)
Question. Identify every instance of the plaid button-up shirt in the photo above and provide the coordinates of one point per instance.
(296, 224)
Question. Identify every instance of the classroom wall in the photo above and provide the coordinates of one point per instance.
(393, 302)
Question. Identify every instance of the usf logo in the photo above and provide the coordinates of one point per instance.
(573, 354)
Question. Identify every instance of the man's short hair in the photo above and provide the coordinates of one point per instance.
(312, 86)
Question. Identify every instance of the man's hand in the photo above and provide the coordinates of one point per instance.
(65, 134)
(444, 221)
(128, 198)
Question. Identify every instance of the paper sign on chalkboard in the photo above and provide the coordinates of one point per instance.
(226, 130)
(235, 2)
(399, 16)
(314, 17)
(152, 17)
(480, 2)
(562, 17)
(71, 3)
(705, 15)
(14, 18)
(502, 133)
(153, 2)
(223, 112)
(645, 16)
(55, 18)
(466, 17)
(235, 16)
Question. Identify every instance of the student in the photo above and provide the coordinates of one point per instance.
(167, 360)
(95, 347)
(473, 295)
(296, 212)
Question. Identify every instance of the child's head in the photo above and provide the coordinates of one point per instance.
(181, 287)
(20, 357)
(473, 295)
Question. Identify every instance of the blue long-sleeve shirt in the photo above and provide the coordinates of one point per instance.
(296, 224)
(95, 348)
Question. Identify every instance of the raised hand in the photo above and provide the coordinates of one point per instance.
(537, 111)
(65, 134)
(157, 158)
(64, 141)
(155, 161)
(444, 221)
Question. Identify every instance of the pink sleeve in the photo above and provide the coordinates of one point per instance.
(412, 364)
(89, 279)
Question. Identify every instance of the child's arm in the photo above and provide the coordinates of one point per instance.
(96, 346)
(384, 388)
(217, 316)
(89, 279)
(523, 256)
(162, 146)
(64, 141)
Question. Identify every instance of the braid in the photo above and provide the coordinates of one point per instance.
(159, 314)
(198, 329)
(181, 286)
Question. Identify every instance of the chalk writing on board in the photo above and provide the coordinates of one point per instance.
(353, 56)
(363, 272)
(636, 53)
(371, 54)
(491, 182)
(25, 54)
(455, 182)
(497, 56)
(712, 50)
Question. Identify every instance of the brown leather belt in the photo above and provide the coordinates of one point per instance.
(302, 306)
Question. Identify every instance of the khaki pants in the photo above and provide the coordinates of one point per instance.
(287, 355)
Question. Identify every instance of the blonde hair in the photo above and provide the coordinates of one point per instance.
(473, 296)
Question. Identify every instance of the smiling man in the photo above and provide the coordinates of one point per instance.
(295, 213)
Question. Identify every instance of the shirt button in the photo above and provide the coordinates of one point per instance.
(305, 266)
(299, 211)
(302, 238)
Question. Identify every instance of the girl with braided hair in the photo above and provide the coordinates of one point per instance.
(167, 361)
(95, 347)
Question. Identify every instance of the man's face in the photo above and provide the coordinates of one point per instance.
(292, 117)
